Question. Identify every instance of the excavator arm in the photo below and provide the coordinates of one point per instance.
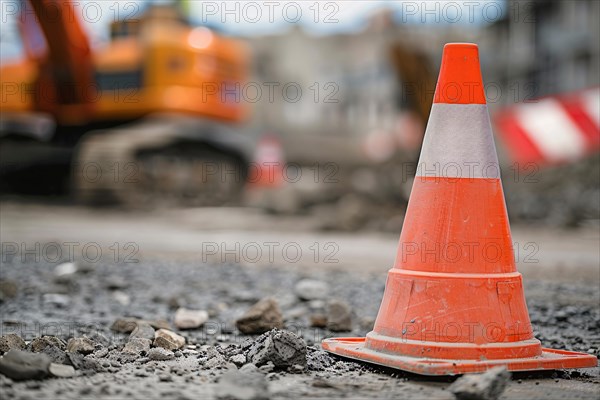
(65, 86)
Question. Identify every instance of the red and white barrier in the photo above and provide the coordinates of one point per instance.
(552, 130)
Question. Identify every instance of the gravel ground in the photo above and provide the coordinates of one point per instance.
(88, 301)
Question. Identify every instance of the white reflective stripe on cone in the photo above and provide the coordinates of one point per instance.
(458, 143)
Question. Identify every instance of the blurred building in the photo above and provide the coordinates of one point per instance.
(364, 94)
(541, 48)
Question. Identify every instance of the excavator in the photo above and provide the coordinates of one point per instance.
(151, 117)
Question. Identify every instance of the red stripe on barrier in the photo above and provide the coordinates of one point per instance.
(522, 148)
(575, 109)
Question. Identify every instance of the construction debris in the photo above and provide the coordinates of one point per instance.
(160, 354)
(81, 345)
(11, 341)
(311, 289)
(8, 290)
(339, 316)
(168, 340)
(318, 321)
(190, 319)
(137, 346)
(282, 348)
(56, 300)
(40, 343)
(21, 365)
(486, 386)
(65, 272)
(143, 330)
(125, 366)
(128, 325)
(61, 371)
(263, 316)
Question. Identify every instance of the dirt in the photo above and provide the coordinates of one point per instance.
(161, 265)
(203, 367)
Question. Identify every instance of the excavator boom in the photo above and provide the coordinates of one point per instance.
(65, 87)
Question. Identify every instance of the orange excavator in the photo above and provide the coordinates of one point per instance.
(153, 115)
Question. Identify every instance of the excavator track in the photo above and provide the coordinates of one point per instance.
(160, 161)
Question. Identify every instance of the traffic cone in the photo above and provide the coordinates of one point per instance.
(454, 301)
(267, 169)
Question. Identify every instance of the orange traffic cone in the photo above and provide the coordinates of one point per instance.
(267, 170)
(454, 300)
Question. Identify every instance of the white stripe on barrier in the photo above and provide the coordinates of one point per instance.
(591, 105)
(552, 130)
(458, 143)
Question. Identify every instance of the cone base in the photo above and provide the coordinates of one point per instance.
(550, 359)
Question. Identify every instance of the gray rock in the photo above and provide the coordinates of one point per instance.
(100, 353)
(282, 348)
(190, 319)
(76, 360)
(137, 346)
(261, 317)
(57, 355)
(80, 345)
(267, 368)
(143, 330)
(238, 359)
(65, 272)
(213, 359)
(160, 354)
(242, 386)
(84, 363)
(8, 289)
(244, 296)
(128, 325)
(295, 313)
(98, 338)
(38, 344)
(61, 371)
(486, 386)
(339, 317)
(121, 297)
(246, 368)
(318, 321)
(317, 305)
(21, 365)
(11, 341)
(296, 369)
(56, 300)
(124, 325)
(312, 289)
(168, 340)
(319, 360)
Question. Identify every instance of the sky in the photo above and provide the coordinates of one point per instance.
(247, 18)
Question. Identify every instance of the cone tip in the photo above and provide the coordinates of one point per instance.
(458, 45)
(460, 79)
